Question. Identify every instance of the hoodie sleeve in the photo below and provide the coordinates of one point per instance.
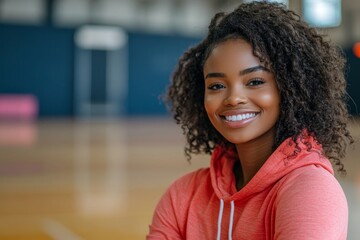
(170, 217)
(164, 224)
(311, 205)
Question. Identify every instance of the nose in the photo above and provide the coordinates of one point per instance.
(235, 97)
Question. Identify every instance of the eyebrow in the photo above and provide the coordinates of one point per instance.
(253, 69)
(241, 73)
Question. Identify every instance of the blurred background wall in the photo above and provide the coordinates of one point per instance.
(41, 54)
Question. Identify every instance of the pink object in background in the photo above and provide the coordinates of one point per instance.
(16, 114)
(18, 106)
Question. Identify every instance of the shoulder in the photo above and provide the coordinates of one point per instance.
(190, 181)
(169, 220)
(174, 203)
(311, 203)
(312, 179)
(182, 191)
(311, 183)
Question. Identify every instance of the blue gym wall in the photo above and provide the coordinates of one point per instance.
(40, 60)
(152, 60)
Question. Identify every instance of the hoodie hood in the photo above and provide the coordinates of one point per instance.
(286, 158)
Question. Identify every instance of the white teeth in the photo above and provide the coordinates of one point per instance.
(239, 117)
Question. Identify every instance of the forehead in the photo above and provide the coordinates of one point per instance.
(233, 53)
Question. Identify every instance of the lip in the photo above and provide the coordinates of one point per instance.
(241, 123)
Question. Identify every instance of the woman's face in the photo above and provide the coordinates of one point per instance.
(241, 96)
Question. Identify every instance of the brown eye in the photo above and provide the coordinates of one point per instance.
(216, 86)
(255, 82)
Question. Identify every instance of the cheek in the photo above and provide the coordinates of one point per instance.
(270, 101)
(207, 102)
(269, 98)
(210, 104)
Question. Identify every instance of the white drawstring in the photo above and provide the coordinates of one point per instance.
(220, 218)
(231, 219)
(232, 210)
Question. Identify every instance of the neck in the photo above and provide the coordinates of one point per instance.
(252, 156)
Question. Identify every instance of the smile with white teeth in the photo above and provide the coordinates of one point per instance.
(240, 117)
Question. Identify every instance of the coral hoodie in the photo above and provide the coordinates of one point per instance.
(290, 197)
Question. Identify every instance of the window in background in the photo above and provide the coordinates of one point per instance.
(322, 13)
(22, 11)
(71, 12)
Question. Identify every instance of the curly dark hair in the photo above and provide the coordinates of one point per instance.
(309, 71)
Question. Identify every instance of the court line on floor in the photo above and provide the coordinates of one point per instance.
(58, 231)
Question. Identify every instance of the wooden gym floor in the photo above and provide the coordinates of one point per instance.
(76, 179)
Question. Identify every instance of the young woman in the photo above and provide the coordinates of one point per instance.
(264, 94)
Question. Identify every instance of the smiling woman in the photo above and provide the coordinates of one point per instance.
(241, 96)
(242, 102)
(264, 94)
